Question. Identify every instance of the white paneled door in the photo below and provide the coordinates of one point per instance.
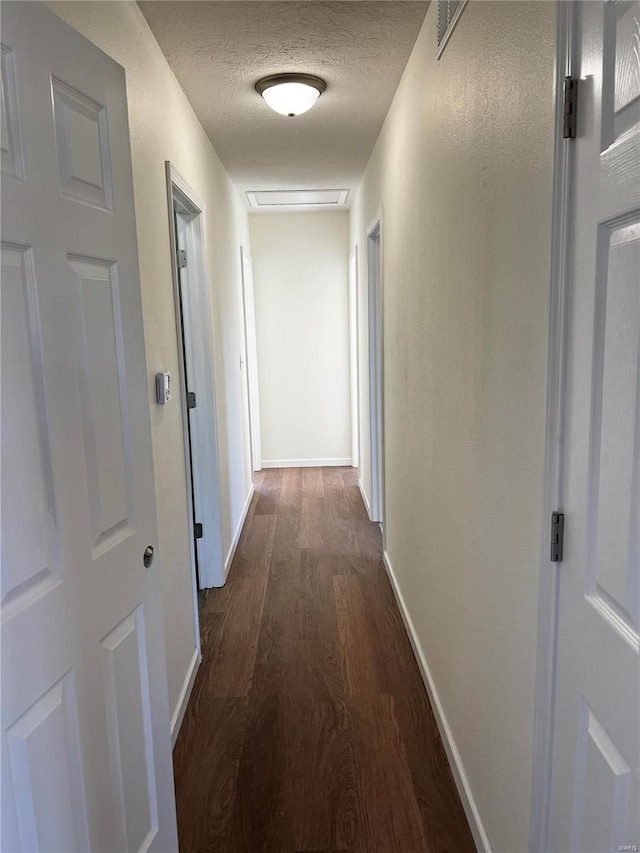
(86, 761)
(595, 795)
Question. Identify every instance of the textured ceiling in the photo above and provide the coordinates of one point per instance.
(219, 48)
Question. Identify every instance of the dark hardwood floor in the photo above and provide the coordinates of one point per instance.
(309, 728)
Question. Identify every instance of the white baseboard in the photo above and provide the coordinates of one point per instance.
(462, 783)
(365, 499)
(183, 700)
(236, 536)
(306, 463)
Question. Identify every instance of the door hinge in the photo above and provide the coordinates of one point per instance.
(557, 537)
(570, 125)
(191, 399)
(198, 531)
(181, 258)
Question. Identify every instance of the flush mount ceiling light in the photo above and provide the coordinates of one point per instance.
(291, 94)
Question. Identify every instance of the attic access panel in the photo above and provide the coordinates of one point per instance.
(293, 198)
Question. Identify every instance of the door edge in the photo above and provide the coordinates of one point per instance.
(554, 431)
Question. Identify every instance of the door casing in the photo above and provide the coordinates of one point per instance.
(376, 365)
(204, 441)
(353, 363)
(251, 359)
(554, 432)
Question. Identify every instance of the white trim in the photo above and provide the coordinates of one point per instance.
(307, 463)
(354, 347)
(375, 343)
(178, 181)
(552, 482)
(236, 536)
(204, 442)
(251, 358)
(457, 768)
(171, 177)
(183, 699)
(365, 499)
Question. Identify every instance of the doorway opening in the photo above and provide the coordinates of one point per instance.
(376, 395)
(197, 386)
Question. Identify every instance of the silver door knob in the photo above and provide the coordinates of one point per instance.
(147, 557)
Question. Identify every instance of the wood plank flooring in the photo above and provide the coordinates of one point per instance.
(309, 728)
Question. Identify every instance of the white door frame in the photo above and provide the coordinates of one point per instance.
(552, 483)
(251, 360)
(353, 361)
(204, 442)
(376, 366)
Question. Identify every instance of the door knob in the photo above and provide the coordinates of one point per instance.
(147, 557)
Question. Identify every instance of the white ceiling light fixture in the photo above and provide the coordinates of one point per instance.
(291, 94)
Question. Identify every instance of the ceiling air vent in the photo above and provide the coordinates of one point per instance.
(296, 198)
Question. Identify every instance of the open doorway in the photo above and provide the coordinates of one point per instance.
(197, 387)
(376, 397)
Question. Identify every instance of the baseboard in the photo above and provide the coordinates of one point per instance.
(236, 536)
(365, 499)
(183, 700)
(306, 463)
(462, 783)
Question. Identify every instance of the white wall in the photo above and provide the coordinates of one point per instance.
(164, 127)
(463, 171)
(302, 329)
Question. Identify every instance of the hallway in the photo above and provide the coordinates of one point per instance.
(385, 254)
(309, 727)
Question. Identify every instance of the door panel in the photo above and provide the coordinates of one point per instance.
(103, 399)
(614, 575)
(44, 756)
(124, 664)
(83, 146)
(621, 107)
(86, 755)
(28, 560)
(10, 139)
(602, 786)
(596, 734)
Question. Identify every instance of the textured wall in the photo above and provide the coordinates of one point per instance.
(164, 127)
(302, 330)
(463, 170)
